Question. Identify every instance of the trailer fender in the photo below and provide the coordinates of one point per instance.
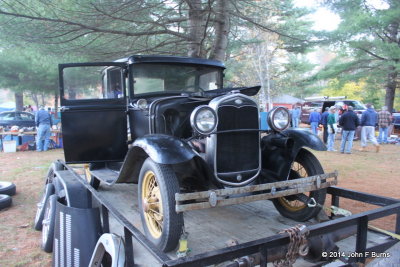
(162, 149)
(279, 150)
(111, 244)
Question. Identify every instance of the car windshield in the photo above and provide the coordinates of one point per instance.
(357, 105)
(174, 78)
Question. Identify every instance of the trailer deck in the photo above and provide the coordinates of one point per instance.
(247, 234)
(212, 229)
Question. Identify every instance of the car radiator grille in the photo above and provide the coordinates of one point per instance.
(237, 151)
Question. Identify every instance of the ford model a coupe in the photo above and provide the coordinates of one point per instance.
(169, 125)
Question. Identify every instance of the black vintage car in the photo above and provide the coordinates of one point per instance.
(169, 125)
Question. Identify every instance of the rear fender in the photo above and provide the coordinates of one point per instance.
(279, 150)
(162, 149)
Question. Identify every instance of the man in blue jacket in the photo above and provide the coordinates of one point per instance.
(314, 119)
(295, 117)
(368, 122)
(43, 123)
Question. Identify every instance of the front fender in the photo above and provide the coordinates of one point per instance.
(279, 150)
(162, 149)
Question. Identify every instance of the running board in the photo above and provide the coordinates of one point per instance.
(232, 196)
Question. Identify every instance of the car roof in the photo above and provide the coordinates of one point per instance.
(13, 111)
(170, 59)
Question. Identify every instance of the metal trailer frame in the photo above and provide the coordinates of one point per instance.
(264, 246)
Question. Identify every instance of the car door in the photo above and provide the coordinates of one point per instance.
(93, 112)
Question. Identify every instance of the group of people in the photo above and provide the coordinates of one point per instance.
(349, 122)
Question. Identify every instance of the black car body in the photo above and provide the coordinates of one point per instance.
(396, 120)
(169, 125)
(17, 118)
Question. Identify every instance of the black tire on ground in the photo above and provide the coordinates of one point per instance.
(48, 191)
(305, 164)
(5, 201)
(159, 182)
(7, 188)
(49, 220)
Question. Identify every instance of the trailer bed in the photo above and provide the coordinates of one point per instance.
(212, 229)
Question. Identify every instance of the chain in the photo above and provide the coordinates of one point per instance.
(298, 245)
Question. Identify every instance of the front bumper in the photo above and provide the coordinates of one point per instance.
(232, 196)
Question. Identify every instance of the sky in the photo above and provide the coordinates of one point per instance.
(326, 20)
(323, 18)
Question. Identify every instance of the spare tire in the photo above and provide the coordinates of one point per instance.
(7, 188)
(5, 201)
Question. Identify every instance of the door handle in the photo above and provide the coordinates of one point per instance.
(63, 108)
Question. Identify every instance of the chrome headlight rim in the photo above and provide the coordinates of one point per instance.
(271, 119)
(193, 119)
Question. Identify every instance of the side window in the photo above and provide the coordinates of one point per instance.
(93, 82)
(114, 83)
(7, 117)
(26, 117)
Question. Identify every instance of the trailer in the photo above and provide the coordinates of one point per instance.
(179, 173)
(101, 228)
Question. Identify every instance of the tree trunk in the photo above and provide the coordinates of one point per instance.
(19, 101)
(221, 31)
(196, 28)
(35, 99)
(391, 88)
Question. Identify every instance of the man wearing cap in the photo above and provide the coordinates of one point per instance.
(349, 122)
(368, 122)
(43, 123)
(332, 127)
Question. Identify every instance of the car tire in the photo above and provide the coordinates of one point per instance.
(161, 223)
(49, 220)
(48, 191)
(5, 201)
(7, 188)
(305, 164)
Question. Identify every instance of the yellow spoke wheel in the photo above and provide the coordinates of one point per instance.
(291, 203)
(152, 204)
(305, 164)
(157, 187)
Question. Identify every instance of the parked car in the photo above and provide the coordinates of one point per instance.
(396, 120)
(17, 118)
(181, 136)
(321, 104)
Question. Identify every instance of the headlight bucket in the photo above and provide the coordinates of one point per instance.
(204, 120)
(279, 118)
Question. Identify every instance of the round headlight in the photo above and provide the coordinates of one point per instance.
(204, 120)
(142, 103)
(279, 118)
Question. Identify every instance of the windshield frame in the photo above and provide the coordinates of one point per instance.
(199, 90)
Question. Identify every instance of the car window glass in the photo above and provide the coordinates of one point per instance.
(26, 117)
(8, 116)
(92, 82)
(150, 78)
